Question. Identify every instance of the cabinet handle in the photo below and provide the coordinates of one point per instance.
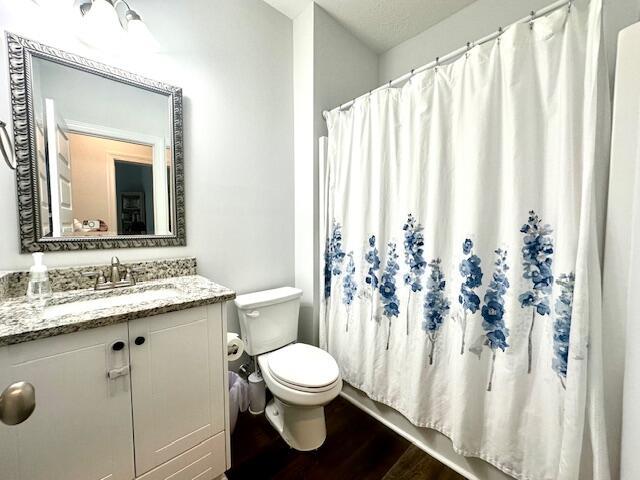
(17, 403)
(117, 346)
(118, 372)
(139, 340)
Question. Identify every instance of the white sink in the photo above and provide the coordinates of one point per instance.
(84, 306)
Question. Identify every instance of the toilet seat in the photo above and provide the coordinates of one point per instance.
(304, 367)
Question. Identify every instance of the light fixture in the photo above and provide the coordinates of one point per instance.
(114, 23)
(100, 24)
(139, 33)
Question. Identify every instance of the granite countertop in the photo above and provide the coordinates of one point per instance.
(23, 321)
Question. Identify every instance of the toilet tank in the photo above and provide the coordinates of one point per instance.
(268, 319)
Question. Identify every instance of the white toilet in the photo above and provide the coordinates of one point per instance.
(302, 378)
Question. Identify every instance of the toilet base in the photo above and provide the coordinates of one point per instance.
(303, 428)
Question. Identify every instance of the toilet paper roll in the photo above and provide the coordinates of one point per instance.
(235, 346)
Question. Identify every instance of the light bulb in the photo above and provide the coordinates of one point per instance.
(139, 36)
(100, 26)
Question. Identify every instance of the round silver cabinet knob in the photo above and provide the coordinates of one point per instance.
(17, 403)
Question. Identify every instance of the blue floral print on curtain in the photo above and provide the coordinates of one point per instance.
(471, 272)
(349, 287)
(413, 257)
(333, 257)
(327, 271)
(436, 305)
(537, 259)
(388, 291)
(373, 259)
(496, 332)
(562, 326)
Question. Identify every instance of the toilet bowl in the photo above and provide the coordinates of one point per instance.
(301, 377)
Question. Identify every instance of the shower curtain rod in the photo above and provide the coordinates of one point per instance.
(456, 53)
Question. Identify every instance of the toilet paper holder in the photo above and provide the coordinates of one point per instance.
(235, 347)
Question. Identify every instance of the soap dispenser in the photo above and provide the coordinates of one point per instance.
(39, 286)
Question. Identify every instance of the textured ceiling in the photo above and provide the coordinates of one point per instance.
(380, 24)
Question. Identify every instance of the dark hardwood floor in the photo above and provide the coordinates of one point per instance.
(358, 447)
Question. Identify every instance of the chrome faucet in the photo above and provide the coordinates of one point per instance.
(115, 276)
(115, 270)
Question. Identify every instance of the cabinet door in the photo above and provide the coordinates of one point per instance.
(81, 427)
(177, 383)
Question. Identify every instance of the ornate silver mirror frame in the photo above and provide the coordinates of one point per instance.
(21, 51)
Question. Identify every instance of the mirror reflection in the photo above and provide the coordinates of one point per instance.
(105, 165)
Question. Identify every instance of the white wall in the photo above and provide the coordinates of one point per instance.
(482, 18)
(343, 67)
(233, 60)
(331, 66)
(305, 170)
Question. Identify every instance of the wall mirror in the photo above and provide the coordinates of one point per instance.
(99, 153)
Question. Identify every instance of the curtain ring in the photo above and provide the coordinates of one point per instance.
(570, 4)
(4, 137)
(435, 69)
(500, 32)
(533, 17)
(468, 48)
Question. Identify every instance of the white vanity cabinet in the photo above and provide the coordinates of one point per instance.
(81, 427)
(138, 400)
(177, 384)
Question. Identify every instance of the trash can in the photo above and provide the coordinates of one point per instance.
(238, 398)
(257, 393)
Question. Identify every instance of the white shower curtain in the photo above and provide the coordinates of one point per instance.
(462, 274)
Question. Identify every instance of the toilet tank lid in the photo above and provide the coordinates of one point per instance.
(267, 297)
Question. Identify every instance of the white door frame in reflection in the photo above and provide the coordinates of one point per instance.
(161, 200)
